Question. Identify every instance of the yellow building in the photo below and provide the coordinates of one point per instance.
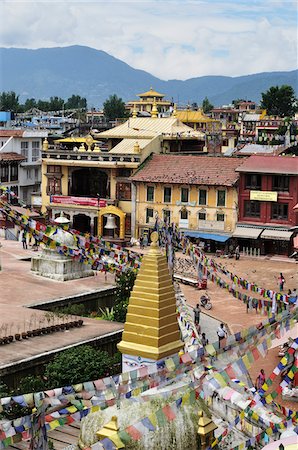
(146, 102)
(88, 178)
(198, 120)
(198, 193)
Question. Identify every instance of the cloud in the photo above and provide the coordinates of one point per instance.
(170, 39)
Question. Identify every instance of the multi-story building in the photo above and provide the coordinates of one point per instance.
(10, 171)
(89, 180)
(28, 144)
(268, 193)
(147, 101)
(198, 193)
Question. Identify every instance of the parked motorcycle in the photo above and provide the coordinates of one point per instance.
(205, 302)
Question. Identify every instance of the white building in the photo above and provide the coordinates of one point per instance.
(27, 143)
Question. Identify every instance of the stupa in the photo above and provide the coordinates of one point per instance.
(151, 331)
(51, 264)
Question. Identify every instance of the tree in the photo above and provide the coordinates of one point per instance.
(76, 102)
(78, 364)
(9, 101)
(29, 104)
(114, 107)
(279, 101)
(207, 106)
(124, 284)
(56, 104)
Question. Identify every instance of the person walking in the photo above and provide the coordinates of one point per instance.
(197, 313)
(221, 333)
(24, 240)
(141, 242)
(260, 380)
(281, 281)
(204, 340)
(237, 253)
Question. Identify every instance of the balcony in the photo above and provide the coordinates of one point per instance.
(68, 200)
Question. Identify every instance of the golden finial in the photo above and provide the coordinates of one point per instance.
(82, 147)
(45, 145)
(134, 111)
(110, 430)
(89, 142)
(136, 148)
(154, 111)
(174, 113)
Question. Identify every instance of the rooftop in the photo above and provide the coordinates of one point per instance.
(285, 165)
(181, 169)
(151, 93)
(11, 133)
(11, 156)
(192, 116)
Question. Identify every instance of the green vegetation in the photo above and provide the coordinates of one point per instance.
(207, 106)
(124, 284)
(114, 107)
(280, 101)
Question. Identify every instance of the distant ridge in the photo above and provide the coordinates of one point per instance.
(95, 74)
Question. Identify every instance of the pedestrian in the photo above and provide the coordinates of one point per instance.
(24, 240)
(141, 242)
(197, 312)
(281, 281)
(237, 253)
(221, 333)
(204, 340)
(260, 380)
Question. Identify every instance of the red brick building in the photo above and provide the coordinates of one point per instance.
(268, 193)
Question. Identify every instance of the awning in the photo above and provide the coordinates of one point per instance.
(278, 235)
(212, 237)
(247, 232)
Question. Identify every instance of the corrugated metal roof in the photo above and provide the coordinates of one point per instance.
(251, 117)
(146, 127)
(193, 116)
(126, 146)
(285, 165)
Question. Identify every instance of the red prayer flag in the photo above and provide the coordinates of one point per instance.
(168, 412)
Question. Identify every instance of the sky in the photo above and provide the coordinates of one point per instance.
(168, 38)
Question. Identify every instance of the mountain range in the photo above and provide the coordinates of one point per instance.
(94, 74)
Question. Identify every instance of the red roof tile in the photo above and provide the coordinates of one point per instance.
(11, 156)
(287, 165)
(183, 169)
(9, 133)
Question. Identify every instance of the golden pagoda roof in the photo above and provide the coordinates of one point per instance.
(151, 93)
(151, 329)
(126, 146)
(193, 116)
(74, 140)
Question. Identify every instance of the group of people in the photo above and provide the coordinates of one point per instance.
(221, 331)
(24, 240)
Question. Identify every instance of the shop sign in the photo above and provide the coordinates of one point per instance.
(265, 196)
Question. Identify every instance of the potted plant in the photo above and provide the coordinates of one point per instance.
(6, 340)
(10, 336)
(17, 335)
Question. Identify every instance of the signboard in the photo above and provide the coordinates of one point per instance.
(81, 201)
(265, 196)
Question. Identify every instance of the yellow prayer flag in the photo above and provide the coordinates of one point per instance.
(246, 361)
(117, 441)
(54, 424)
(185, 399)
(170, 364)
(269, 398)
(153, 419)
(72, 409)
(265, 387)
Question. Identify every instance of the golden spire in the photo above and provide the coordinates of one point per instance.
(136, 147)
(174, 113)
(154, 111)
(45, 145)
(82, 147)
(134, 111)
(151, 329)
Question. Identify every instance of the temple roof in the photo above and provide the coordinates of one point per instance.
(151, 329)
(283, 165)
(151, 93)
(126, 146)
(193, 116)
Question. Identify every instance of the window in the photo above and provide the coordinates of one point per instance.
(124, 173)
(252, 209)
(253, 181)
(35, 150)
(4, 173)
(166, 216)
(28, 174)
(14, 172)
(184, 214)
(150, 193)
(24, 148)
(54, 186)
(202, 216)
(280, 183)
(53, 169)
(220, 217)
(184, 195)
(149, 215)
(36, 174)
(202, 197)
(221, 198)
(123, 191)
(279, 211)
(167, 194)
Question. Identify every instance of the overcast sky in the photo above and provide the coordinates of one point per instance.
(168, 38)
